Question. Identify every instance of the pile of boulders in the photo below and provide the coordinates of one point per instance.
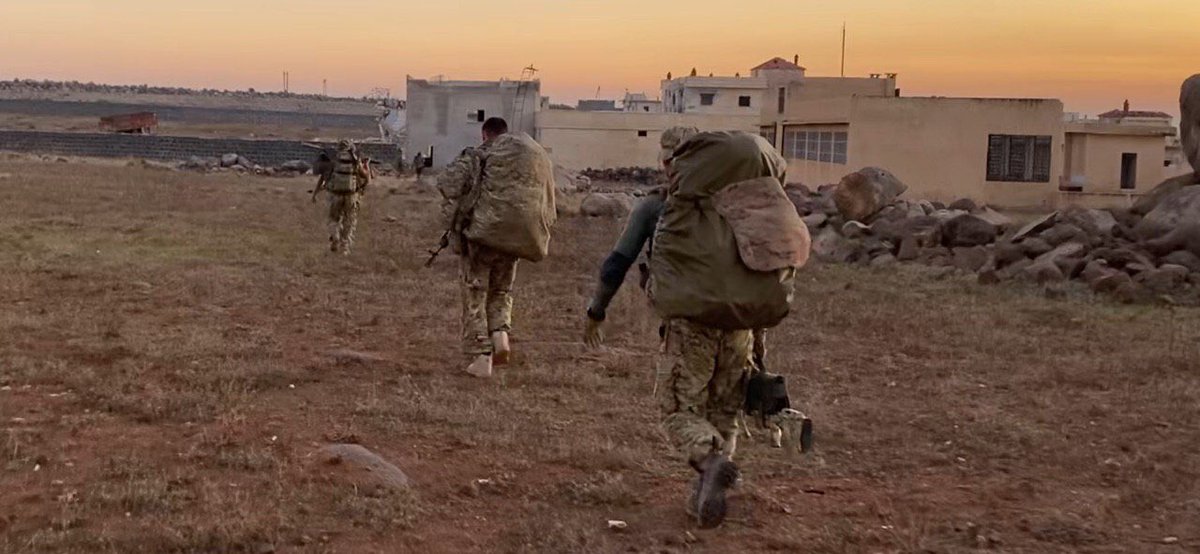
(240, 164)
(1141, 253)
(636, 175)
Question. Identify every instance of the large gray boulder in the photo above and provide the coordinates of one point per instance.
(1094, 222)
(1189, 120)
(1063, 232)
(1149, 201)
(969, 230)
(1185, 237)
(860, 195)
(1181, 206)
(831, 246)
(229, 160)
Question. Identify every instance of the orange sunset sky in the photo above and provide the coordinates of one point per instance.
(1091, 53)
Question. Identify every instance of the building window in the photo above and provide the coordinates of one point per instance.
(782, 98)
(642, 133)
(477, 116)
(1019, 158)
(645, 108)
(816, 146)
(744, 101)
(706, 98)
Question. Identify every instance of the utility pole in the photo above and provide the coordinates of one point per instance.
(286, 79)
(843, 49)
(324, 87)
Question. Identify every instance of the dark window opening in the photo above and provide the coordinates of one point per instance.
(706, 98)
(477, 116)
(744, 101)
(1019, 158)
(782, 98)
(1128, 171)
(642, 133)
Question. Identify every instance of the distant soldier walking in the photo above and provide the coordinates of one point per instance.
(345, 178)
(498, 208)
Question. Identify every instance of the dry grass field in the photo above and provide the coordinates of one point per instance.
(169, 363)
(28, 122)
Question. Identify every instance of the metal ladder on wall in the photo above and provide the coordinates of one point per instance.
(519, 101)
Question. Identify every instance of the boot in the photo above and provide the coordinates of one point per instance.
(500, 348)
(718, 474)
(481, 367)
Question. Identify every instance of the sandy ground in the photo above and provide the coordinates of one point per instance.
(169, 361)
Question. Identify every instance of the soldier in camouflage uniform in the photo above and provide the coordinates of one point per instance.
(345, 180)
(487, 275)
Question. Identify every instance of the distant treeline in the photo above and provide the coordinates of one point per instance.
(76, 86)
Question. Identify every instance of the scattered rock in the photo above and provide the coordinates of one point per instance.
(1093, 222)
(1016, 268)
(1036, 226)
(970, 259)
(1007, 253)
(1095, 270)
(1183, 258)
(832, 247)
(994, 217)
(1035, 247)
(1043, 272)
(860, 195)
(855, 230)
(297, 166)
(815, 220)
(229, 160)
(909, 249)
(599, 204)
(1186, 236)
(1110, 282)
(968, 230)
(883, 260)
(1163, 279)
(363, 468)
(1063, 232)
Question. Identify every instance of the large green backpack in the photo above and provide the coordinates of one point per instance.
(729, 242)
(513, 209)
(343, 180)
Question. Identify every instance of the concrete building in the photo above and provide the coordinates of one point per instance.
(444, 117)
(639, 102)
(1017, 153)
(1114, 160)
(579, 140)
(714, 95)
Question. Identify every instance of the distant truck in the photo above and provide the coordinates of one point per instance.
(140, 123)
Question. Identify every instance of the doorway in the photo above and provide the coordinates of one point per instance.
(1128, 171)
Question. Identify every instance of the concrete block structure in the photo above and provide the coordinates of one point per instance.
(444, 117)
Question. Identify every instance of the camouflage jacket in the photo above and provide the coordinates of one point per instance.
(457, 184)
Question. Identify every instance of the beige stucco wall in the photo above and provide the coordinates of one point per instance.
(1095, 160)
(938, 146)
(578, 140)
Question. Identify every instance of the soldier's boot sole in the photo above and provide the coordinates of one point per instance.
(719, 474)
(481, 367)
(501, 352)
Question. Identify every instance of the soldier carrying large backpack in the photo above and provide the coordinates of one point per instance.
(498, 208)
(724, 258)
(345, 178)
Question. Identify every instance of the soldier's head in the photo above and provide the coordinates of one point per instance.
(345, 145)
(494, 127)
(670, 140)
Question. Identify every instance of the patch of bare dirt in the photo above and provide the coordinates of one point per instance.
(176, 346)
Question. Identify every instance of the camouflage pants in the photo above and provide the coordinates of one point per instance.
(702, 386)
(487, 282)
(343, 218)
